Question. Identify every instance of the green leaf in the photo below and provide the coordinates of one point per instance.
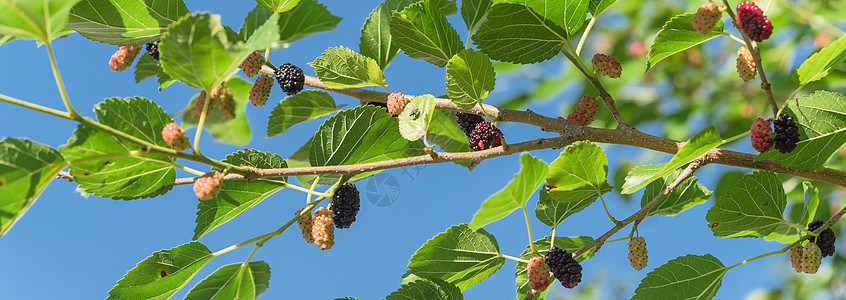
(597, 7)
(821, 63)
(552, 212)
(551, 10)
(261, 29)
(234, 281)
(26, 167)
(515, 33)
(697, 145)
(125, 22)
(423, 32)
(360, 135)
(575, 12)
(237, 196)
(231, 131)
(786, 233)
(687, 194)
(470, 78)
(821, 117)
(515, 194)
(676, 36)
(305, 106)
(146, 67)
(754, 207)
(447, 7)
(376, 41)
(416, 287)
(133, 175)
(196, 51)
(414, 120)
(445, 132)
(579, 171)
(685, 277)
(474, 12)
(342, 68)
(305, 19)
(278, 5)
(571, 244)
(40, 20)
(461, 256)
(162, 274)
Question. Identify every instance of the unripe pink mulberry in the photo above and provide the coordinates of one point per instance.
(796, 257)
(261, 90)
(252, 64)
(306, 223)
(762, 135)
(811, 258)
(637, 253)
(538, 273)
(752, 21)
(224, 96)
(124, 57)
(745, 64)
(201, 100)
(607, 65)
(207, 186)
(175, 137)
(585, 112)
(705, 18)
(323, 229)
(396, 102)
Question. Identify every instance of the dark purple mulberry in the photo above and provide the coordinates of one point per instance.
(345, 204)
(564, 267)
(153, 49)
(485, 136)
(290, 78)
(825, 240)
(752, 21)
(468, 122)
(786, 134)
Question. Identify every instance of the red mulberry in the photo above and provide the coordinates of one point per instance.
(607, 65)
(396, 102)
(485, 136)
(637, 253)
(585, 112)
(762, 135)
(752, 21)
(123, 58)
(252, 64)
(224, 96)
(538, 274)
(175, 137)
(705, 18)
(261, 90)
(207, 186)
(323, 229)
(201, 100)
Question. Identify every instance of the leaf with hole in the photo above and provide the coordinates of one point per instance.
(162, 274)
(754, 207)
(114, 167)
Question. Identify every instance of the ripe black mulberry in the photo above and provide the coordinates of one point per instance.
(826, 238)
(153, 49)
(468, 122)
(786, 134)
(564, 267)
(345, 204)
(290, 78)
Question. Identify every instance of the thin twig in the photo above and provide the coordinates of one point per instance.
(640, 214)
(756, 56)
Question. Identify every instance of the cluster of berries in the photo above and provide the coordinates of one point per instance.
(220, 95)
(319, 229)
(585, 112)
(785, 138)
(482, 134)
(807, 259)
(563, 266)
(153, 49)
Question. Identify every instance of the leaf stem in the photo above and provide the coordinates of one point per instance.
(184, 110)
(782, 250)
(514, 258)
(201, 122)
(739, 40)
(36, 107)
(529, 230)
(617, 240)
(305, 190)
(732, 139)
(606, 209)
(59, 83)
(584, 35)
(313, 186)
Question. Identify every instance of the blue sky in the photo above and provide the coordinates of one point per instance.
(71, 247)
